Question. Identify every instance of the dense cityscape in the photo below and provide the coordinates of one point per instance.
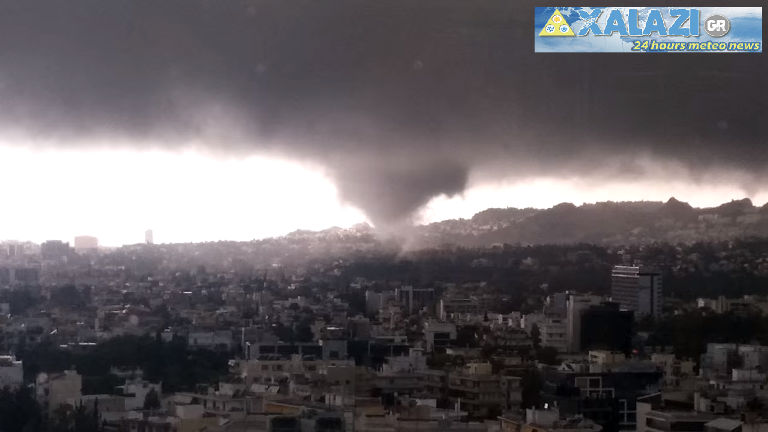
(348, 330)
(382, 216)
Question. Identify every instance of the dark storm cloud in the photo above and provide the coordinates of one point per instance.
(399, 99)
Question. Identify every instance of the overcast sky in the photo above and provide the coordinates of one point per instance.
(244, 119)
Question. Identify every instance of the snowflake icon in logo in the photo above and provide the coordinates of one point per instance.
(550, 28)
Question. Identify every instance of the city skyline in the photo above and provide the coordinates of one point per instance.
(380, 216)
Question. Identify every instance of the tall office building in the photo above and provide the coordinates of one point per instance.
(606, 327)
(86, 244)
(638, 289)
(148, 237)
(576, 304)
(416, 298)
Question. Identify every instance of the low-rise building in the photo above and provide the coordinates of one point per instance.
(11, 372)
(547, 420)
(481, 393)
(437, 334)
(665, 421)
(56, 389)
(267, 369)
(136, 390)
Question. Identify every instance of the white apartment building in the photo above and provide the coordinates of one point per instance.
(266, 371)
(553, 333)
(136, 390)
(56, 389)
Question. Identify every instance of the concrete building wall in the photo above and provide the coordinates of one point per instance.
(11, 372)
(554, 334)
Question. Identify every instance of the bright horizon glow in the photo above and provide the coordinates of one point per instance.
(117, 195)
(546, 193)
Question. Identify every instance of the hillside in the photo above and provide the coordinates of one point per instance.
(603, 223)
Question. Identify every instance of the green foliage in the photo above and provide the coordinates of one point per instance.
(303, 332)
(101, 384)
(356, 302)
(442, 361)
(20, 300)
(283, 332)
(536, 335)
(77, 419)
(249, 313)
(19, 411)
(69, 296)
(689, 333)
(178, 367)
(163, 312)
(467, 336)
(531, 385)
(547, 355)
(151, 400)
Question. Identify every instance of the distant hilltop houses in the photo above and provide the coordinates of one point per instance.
(639, 222)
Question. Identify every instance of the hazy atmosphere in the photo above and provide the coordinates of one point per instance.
(382, 216)
(260, 117)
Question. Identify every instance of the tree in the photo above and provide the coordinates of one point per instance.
(100, 384)
(536, 336)
(151, 400)
(164, 313)
(531, 389)
(76, 419)
(547, 355)
(755, 405)
(249, 313)
(19, 411)
(68, 296)
(467, 336)
(20, 300)
(304, 332)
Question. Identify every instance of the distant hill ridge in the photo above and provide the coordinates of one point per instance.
(603, 222)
